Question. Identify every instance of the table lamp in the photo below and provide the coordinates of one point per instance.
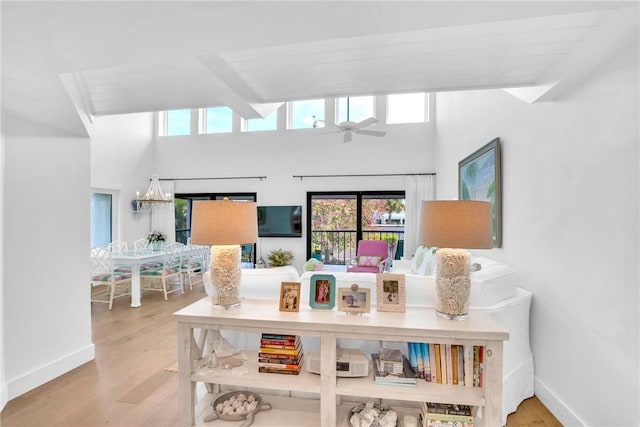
(454, 226)
(225, 225)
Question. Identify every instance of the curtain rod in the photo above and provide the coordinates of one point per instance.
(363, 175)
(219, 177)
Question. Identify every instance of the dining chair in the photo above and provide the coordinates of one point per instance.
(159, 279)
(141, 245)
(103, 274)
(193, 264)
(119, 246)
(372, 257)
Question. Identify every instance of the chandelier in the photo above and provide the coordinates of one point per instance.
(152, 198)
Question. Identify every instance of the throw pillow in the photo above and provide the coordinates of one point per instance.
(368, 261)
(418, 257)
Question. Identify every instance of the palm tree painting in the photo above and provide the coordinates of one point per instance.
(479, 178)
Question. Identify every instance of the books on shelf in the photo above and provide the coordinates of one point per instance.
(280, 354)
(448, 363)
(406, 378)
(446, 415)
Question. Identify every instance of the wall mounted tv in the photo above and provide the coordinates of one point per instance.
(280, 221)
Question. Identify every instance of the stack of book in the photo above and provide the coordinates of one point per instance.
(446, 415)
(407, 377)
(391, 360)
(280, 354)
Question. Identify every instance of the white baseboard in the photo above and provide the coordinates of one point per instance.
(22, 384)
(3, 395)
(557, 407)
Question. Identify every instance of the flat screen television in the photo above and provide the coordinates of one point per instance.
(280, 221)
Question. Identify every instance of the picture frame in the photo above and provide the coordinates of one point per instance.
(480, 178)
(390, 292)
(354, 299)
(322, 291)
(290, 296)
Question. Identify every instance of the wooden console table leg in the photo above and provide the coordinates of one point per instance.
(186, 388)
(327, 380)
(492, 412)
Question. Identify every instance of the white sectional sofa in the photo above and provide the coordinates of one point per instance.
(493, 291)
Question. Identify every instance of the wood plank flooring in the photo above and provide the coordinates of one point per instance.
(130, 382)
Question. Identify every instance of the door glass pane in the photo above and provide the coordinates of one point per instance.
(383, 219)
(333, 228)
(101, 221)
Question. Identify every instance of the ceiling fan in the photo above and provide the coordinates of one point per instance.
(349, 128)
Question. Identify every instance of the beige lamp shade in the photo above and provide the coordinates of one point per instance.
(224, 222)
(461, 224)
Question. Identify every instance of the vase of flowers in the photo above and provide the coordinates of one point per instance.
(156, 240)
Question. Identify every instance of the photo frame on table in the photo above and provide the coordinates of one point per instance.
(390, 292)
(322, 291)
(354, 299)
(480, 178)
(290, 296)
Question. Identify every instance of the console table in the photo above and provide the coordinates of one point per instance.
(417, 324)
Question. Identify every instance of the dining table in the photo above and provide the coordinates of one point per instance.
(135, 259)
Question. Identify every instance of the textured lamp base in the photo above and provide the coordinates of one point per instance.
(225, 276)
(453, 284)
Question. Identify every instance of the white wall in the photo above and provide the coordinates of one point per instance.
(570, 208)
(279, 155)
(46, 239)
(3, 382)
(122, 161)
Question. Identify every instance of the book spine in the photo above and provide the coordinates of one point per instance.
(413, 356)
(468, 365)
(292, 343)
(447, 349)
(460, 365)
(454, 364)
(418, 349)
(432, 362)
(277, 371)
(278, 356)
(450, 418)
(290, 352)
(279, 361)
(280, 337)
(438, 364)
(481, 376)
(426, 361)
(443, 363)
(476, 366)
(279, 346)
(279, 366)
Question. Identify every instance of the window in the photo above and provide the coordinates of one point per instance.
(216, 120)
(407, 108)
(305, 114)
(337, 221)
(174, 123)
(268, 123)
(354, 109)
(101, 221)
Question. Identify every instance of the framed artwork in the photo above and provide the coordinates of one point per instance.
(390, 292)
(322, 292)
(354, 299)
(480, 178)
(290, 296)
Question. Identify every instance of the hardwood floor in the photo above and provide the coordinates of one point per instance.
(130, 382)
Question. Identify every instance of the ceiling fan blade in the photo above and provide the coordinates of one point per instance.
(347, 136)
(370, 132)
(365, 123)
(326, 132)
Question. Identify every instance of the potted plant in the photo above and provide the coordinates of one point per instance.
(156, 239)
(279, 258)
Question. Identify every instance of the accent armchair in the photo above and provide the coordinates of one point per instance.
(372, 257)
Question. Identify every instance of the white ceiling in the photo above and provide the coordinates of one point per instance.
(63, 62)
